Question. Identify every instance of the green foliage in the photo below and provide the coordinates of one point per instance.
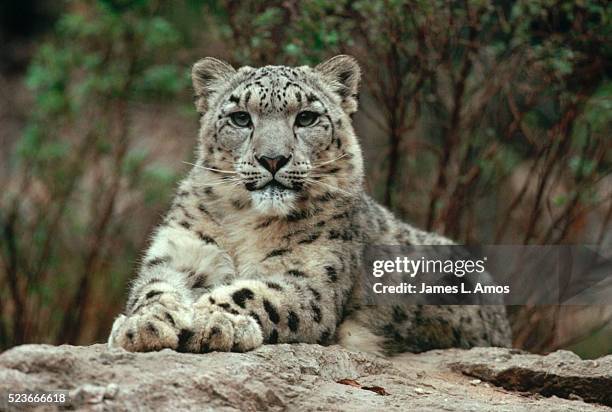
(162, 81)
(156, 182)
(103, 57)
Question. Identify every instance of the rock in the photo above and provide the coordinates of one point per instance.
(561, 373)
(288, 377)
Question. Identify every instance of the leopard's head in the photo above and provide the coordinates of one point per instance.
(278, 138)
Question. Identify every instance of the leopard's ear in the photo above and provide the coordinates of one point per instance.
(207, 75)
(343, 74)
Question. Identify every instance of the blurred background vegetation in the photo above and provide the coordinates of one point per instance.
(487, 121)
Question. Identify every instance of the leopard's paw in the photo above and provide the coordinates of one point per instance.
(163, 324)
(218, 330)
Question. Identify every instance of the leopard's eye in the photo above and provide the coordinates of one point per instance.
(305, 119)
(240, 119)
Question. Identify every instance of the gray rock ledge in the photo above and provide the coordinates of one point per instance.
(305, 377)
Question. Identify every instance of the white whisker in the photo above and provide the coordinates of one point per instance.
(211, 169)
(221, 182)
(310, 181)
(316, 165)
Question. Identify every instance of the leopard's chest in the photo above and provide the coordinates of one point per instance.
(263, 246)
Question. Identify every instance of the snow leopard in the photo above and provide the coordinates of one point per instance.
(263, 241)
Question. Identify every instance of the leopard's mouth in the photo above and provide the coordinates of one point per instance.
(276, 185)
(273, 186)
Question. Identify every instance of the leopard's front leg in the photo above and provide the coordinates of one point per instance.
(180, 265)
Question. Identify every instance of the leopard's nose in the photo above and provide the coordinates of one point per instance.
(273, 164)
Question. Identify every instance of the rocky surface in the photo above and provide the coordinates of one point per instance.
(306, 377)
(561, 373)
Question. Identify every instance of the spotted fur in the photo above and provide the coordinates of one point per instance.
(250, 255)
